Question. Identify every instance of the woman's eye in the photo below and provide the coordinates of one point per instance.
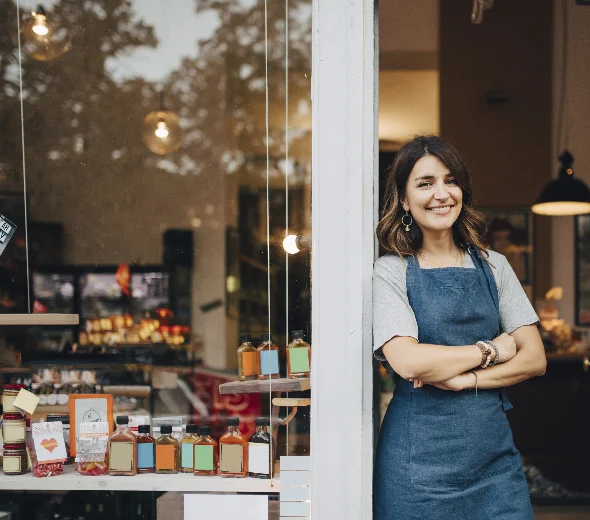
(423, 184)
(452, 181)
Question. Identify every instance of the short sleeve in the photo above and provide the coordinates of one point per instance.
(392, 314)
(515, 308)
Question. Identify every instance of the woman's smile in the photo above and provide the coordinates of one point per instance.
(441, 210)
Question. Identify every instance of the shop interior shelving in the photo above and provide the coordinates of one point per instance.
(181, 482)
(265, 386)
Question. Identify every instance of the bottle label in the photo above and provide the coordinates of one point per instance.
(259, 458)
(204, 458)
(121, 456)
(269, 362)
(249, 363)
(145, 455)
(298, 360)
(231, 458)
(165, 454)
(186, 455)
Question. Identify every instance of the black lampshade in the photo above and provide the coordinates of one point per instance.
(565, 195)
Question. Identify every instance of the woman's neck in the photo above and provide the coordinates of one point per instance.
(438, 244)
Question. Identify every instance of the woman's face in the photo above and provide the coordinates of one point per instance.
(433, 196)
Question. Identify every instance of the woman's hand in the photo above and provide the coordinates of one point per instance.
(506, 347)
(455, 384)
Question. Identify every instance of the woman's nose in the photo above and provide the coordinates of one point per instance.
(441, 192)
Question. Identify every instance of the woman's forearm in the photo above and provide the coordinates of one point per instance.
(523, 366)
(412, 360)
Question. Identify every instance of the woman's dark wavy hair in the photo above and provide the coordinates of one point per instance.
(470, 227)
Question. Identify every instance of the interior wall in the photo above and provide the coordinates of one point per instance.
(495, 98)
(577, 127)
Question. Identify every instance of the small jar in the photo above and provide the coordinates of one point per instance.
(14, 428)
(8, 397)
(15, 459)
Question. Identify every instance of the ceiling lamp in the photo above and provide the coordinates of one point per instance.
(565, 195)
(162, 133)
(42, 39)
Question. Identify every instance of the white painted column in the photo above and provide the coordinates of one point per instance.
(343, 219)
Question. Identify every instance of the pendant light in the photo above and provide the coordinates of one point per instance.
(42, 39)
(162, 133)
(565, 195)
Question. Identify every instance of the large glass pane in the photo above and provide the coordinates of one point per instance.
(167, 154)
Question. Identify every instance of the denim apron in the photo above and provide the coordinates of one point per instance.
(445, 455)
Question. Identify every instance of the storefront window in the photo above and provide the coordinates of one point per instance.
(154, 156)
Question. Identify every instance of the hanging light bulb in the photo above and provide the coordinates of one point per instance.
(40, 28)
(42, 39)
(162, 133)
(292, 244)
(162, 129)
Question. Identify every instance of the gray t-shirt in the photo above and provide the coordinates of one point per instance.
(393, 316)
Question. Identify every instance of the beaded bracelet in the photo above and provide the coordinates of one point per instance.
(486, 354)
(497, 358)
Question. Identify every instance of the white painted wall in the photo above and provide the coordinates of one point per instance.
(577, 126)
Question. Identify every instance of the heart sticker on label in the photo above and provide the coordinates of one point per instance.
(49, 444)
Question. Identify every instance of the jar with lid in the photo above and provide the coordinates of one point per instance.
(14, 428)
(8, 397)
(15, 459)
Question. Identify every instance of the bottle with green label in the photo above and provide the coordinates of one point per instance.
(186, 448)
(205, 453)
(298, 356)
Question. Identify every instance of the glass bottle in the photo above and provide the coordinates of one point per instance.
(186, 448)
(247, 359)
(298, 356)
(268, 358)
(146, 450)
(205, 453)
(166, 451)
(233, 451)
(259, 459)
(122, 449)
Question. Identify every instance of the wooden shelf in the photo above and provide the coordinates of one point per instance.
(39, 319)
(182, 482)
(265, 386)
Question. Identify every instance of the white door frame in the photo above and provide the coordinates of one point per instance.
(344, 196)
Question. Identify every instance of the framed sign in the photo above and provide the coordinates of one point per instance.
(86, 408)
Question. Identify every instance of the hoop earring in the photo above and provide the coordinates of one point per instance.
(407, 225)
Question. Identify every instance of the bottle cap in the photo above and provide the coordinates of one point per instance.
(205, 430)
(233, 421)
(265, 336)
(297, 334)
(245, 338)
(262, 421)
(165, 429)
(143, 428)
(192, 428)
(122, 419)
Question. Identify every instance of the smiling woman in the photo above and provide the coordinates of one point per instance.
(449, 317)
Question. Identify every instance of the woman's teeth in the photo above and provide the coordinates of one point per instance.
(440, 209)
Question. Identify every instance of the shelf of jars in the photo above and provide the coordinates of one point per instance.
(182, 482)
